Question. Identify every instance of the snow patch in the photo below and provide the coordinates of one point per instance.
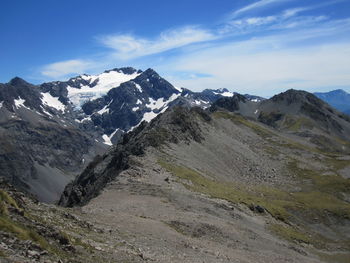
(138, 101)
(51, 101)
(85, 119)
(160, 103)
(46, 112)
(105, 109)
(156, 105)
(135, 108)
(138, 87)
(1, 103)
(179, 89)
(105, 82)
(107, 139)
(148, 116)
(19, 103)
(225, 94)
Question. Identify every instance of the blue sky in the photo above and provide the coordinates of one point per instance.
(250, 46)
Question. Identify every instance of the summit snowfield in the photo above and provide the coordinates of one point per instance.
(96, 86)
(118, 100)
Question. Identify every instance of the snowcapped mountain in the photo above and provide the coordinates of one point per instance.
(49, 132)
(41, 148)
(118, 100)
(115, 101)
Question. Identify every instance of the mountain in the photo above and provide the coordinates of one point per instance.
(50, 132)
(41, 150)
(232, 180)
(339, 99)
(118, 100)
(296, 113)
(306, 115)
(227, 182)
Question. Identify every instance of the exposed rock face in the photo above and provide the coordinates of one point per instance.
(181, 124)
(177, 124)
(298, 110)
(40, 149)
(163, 173)
(230, 104)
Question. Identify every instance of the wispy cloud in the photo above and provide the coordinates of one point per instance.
(254, 6)
(129, 46)
(65, 68)
(245, 67)
(261, 53)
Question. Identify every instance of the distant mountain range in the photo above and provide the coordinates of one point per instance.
(161, 172)
(339, 99)
(57, 128)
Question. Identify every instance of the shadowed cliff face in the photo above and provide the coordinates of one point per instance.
(177, 124)
(41, 149)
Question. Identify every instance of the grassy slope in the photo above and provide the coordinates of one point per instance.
(319, 196)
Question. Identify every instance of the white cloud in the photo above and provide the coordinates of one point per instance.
(294, 11)
(65, 68)
(128, 46)
(257, 5)
(275, 52)
(266, 65)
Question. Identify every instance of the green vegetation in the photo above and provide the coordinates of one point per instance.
(336, 164)
(334, 257)
(2, 253)
(290, 233)
(5, 201)
(274, 200)
(21, 232)
(240, 120)
(318, 200)
(323, 193)
(7, 224)
(295, 124)
(79, 242)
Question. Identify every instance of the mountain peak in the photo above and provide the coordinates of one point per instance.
(125, 70)
(291, 96)
(338, 98)
(339, 91)
(17, 81)
(229, 103)
(150, 72)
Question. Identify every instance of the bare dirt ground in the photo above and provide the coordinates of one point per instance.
(165, 222)
(191, 202)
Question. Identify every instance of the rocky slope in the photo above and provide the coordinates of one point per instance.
(220, 185)
(41, 150)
